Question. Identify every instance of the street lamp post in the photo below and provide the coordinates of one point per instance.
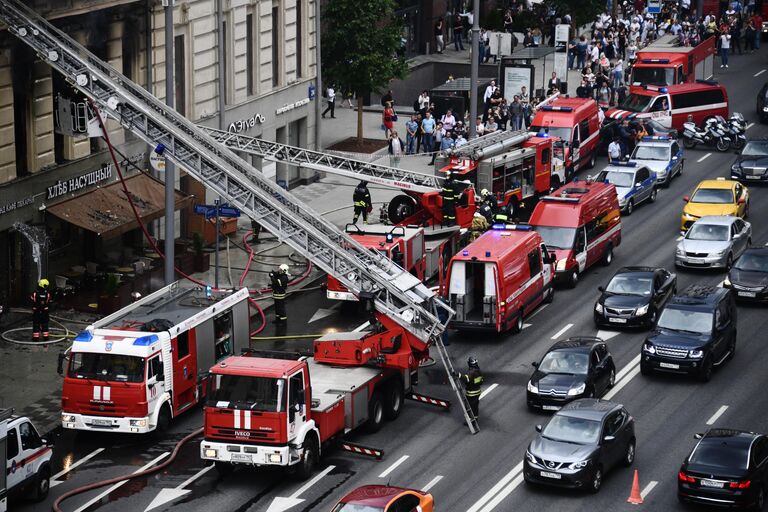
(475, 64)
(170, 188)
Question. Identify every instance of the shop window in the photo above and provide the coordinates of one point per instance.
(277, 44)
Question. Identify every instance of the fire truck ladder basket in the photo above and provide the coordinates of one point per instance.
(398, 294)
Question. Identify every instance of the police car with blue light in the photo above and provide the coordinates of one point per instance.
(635, 183)
(662, 155)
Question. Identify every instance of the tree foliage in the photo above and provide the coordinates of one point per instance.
(583, 12)
(361, 45)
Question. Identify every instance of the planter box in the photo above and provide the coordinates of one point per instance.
(202, 262)
(185, 262)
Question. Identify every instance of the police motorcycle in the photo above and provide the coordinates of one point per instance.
(738, 128)
(713, 133)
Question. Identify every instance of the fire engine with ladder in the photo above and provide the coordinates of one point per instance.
(409, 317)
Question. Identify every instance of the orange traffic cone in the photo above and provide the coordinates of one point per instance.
(634, 497)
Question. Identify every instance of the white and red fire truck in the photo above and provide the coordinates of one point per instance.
(135, 370)
(285, 412)
(25, 457)
(665, 62)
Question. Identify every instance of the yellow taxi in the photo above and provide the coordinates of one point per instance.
(715, 197)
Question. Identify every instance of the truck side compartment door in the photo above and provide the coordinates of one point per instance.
(155, 382)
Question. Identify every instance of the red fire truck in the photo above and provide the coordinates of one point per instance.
(665, 62)
(135, 370)
(418, 250)
(516, 170)
(285, 412)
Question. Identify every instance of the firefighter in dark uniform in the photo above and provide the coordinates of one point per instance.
(502, 215)
(472, 381)
(449, 193)
(362, 201)
(488, 206)
(41, 300)
(279, 289)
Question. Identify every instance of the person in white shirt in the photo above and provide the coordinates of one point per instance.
(423, 101)
(489, 91)
(331, 97)
(614, 149)
(479, 127)
(448, 121)
(725, 46)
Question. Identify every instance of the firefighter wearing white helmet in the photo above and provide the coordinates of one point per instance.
(488, 205)
(279, 290)
(41, 299)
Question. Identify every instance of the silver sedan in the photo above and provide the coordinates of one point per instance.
(713, 242)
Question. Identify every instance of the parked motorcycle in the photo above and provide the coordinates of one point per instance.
(737, 128)
(713, 133)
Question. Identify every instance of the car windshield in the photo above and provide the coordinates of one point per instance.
(710, 232)
(755, 148)
(110, 367)
(718, 454)
(653, 76)
(562, 132)
(713, 196)
(352, 507)
(685, 320)
(618, 178)
(572, 430)
(630, 284)
(557, 238)
(565, 361)
(636, 103)
(752, 262)
(651, 153)
(253, 393)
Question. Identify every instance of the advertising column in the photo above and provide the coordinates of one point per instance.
(562, 36)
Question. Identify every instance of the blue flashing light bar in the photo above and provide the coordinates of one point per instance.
(543, 134)
(550, 108)
(465, 252)
(145, 341)
(655, 61)
(487, 254)
(512, 227)
(652, 138)
(84, 336)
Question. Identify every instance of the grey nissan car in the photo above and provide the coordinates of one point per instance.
(582, 441)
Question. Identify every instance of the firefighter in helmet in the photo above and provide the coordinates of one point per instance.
(472, 380)
(503, 215)
(279, 289)
(478, 227)
(450, 194)
(362, 202)
(41, 300)
(488, 205)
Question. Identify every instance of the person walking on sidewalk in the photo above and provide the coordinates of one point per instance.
(395, 149)
(458, 31)
(331, 97)
(439, 43)
(361, 199)
(437, 142)
(725, 46)
(41, 300)
(279, 282)
(473, 382)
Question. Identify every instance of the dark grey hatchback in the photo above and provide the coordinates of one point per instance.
(582, 441)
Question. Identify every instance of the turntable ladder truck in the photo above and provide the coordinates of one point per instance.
(397, 296)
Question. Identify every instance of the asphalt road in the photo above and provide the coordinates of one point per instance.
(429, 448)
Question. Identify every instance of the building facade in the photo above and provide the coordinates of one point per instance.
(49, 179)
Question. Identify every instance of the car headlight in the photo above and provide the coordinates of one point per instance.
(721, 253)
(765, 109)
(599, 308)
(736, 168)
(560, 265)
(530, 457)
(648, 347)
(579, 465)
(695, 354)
(68, 418)
(642, 310)
(622, 201)
(532, 388)
(680, 251)
(577, 390)
(211, 452)
(726, 282)
(138, 423)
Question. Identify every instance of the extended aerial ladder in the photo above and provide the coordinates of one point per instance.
(396, 293)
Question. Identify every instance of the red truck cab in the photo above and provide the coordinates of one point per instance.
(581, 224)
(665, 62)
(499, 278)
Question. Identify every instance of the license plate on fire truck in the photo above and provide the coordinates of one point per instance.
(102, 423)
(242, 457)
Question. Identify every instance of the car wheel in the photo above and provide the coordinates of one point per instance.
(652, 199)
(729, 262)
(549, 296)
(308, 460)
(597, 481)
(394, 396)
(612, 378)
(629, 454)
(630, 207)
(592, 160)
(706, 371)
(608, 255)
(163, 419)
(42, 484)
(375, 413)
(760, 500)
(518, 322)
(573, 279)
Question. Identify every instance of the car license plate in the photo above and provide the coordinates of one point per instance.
(671, 366)
(711, 483)
(550, 407)
(547, 474)
(747, 294)
(617, 320)
(242, 457)
(695, 260)
(103, 423)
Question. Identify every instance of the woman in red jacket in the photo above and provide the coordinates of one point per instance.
(388, 119)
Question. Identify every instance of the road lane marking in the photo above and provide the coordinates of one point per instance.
(716, 416)
(620, 385)
(562, 331)
(606, 335)
(500, 485)
(704, 157)
(503, 494)
(281, 504)
(304, 488)
(119, 484)
(55, 478)
(750, 125)
(195, 476)
(490, 388)
(432, 483)
(168, 495)
(539, 310)
(394, 466)
(759, 73)
(648, 488)
(634, 362)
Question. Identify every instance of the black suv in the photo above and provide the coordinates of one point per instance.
(695, 332)
(634, 296)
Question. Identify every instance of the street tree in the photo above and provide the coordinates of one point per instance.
(361, 45)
